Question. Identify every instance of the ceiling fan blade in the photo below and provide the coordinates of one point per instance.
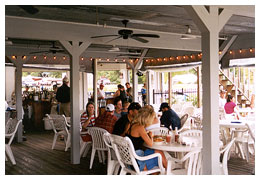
(103, 36)
(139, 39)
(30, 9)
(38, 52)
(146, 35)
(114, 39)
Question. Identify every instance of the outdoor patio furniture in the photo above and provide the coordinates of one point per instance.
(10, 130)
(163, 131)
(84, 146)
(67, 129)
(245, 138)
(127, 157)
(191, 137)
(98, 143)
(112, 162)
(59, 128)
(225, 151)
(191, 164)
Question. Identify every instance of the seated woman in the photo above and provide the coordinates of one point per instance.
(87, 119)
(138, 136)
(230, 107)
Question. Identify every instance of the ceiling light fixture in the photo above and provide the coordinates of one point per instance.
(188, 34)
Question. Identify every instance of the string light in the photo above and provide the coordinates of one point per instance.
(191, 56)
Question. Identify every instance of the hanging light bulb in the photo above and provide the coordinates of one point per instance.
(64, 57)
(34, 57)
(13, 57)
(54, 57)
(44, 57)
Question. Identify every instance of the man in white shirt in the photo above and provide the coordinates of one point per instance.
(222, 98)
(100, 93)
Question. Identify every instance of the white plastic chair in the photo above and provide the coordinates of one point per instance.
(191, 137)
(189, 110)
(84, 146)
(98, 143)
(160, 131)
(67, 129)
(177, 108)
(244, 139)
(112, 162)
(191, 164)
(59, 128)
(127, 157)
(225, 151)
(10, 130)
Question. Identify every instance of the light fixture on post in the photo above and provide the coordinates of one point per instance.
(188, 34)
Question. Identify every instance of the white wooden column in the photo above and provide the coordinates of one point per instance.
(210, 22)
(95, 87)
(75, 49)
(18, 62)
(170, 88)
(149, 87)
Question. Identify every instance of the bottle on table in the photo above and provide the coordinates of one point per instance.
(176, 136)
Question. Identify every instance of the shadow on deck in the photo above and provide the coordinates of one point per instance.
(35, 157)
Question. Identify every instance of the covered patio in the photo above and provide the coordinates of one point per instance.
(218, 32)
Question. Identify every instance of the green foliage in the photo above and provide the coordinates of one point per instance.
(113, 76)
(53, 74)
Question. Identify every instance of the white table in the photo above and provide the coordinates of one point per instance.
(235, 123)
(173, 147)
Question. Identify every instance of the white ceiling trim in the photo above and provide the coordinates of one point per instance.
(29, 28)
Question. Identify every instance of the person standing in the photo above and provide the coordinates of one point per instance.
(63, 97)
(222, 99)
(144, 94)
(169, 117)
(129, 92)
(107, 120)
(120, 93)
(101, 93)
(54, 102)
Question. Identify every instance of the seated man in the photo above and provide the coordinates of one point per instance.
(122, 125)
(107, 120)
(169, 117)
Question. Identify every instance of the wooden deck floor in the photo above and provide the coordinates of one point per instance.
(35, 157)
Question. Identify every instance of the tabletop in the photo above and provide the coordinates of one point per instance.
(173, 147)
(235, 123)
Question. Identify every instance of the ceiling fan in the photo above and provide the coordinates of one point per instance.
(127, 33)
(53, 49)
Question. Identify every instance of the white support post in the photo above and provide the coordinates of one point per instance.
(18, 62)
(135, 85)
(149, 87)
(210, 22)
(95, 87)
(75, 49)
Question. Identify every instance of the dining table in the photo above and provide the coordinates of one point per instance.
(229, 123)
(173, 147)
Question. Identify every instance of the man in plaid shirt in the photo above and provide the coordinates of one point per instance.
(107, 120)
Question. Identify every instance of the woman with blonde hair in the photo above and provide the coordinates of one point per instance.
(139, 135)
